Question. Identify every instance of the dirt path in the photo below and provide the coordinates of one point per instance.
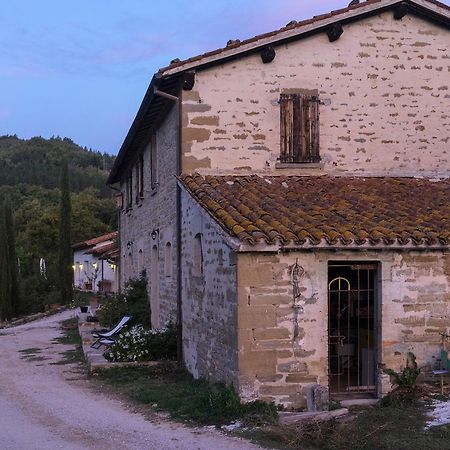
(48, 406)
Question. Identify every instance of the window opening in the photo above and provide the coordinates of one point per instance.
(153, 162)
(299, 128)
(168, 260)
(198, 256)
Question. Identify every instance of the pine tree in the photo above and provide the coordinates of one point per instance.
(12, 257)
(5, 270)
(65, 248)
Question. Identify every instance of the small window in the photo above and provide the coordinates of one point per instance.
(153, 162)
(197, 270)
(141, 176)
(130, 190)
(168, 260)
(140, 261)
(299, 128)
(139, 179)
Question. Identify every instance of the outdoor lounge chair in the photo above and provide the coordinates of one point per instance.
(105, 338)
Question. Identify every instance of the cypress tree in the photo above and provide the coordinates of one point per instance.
(5, 270)
(12, 257)
(65, 244)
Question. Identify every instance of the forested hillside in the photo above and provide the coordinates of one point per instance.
(37, 162)
(30, 177)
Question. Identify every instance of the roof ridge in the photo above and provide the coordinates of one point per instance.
(293, 25)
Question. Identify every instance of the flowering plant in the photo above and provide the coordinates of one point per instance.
(141, 344)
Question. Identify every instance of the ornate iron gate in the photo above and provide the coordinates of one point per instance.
(352, 324)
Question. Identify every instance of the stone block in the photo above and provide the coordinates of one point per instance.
(292, 367)
(283, 354)
(286, 389)
(262, 334)
(277, 344)
(254, 275)
(269, 378)
(256, 317)
(301, 378)
(276, 299)
(257, 362)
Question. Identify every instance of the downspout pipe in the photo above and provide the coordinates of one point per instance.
(177, 100)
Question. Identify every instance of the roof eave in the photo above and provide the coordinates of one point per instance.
(129, 146)
(307, 247)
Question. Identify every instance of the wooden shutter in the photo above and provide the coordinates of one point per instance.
(299, 128)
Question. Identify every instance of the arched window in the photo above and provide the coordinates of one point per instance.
(197, 270)
(140, 261)
(168, 260)
(154, 286)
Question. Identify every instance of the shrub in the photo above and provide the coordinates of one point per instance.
(140, 344)
(407, 377)
(405, 382)
(133, 301)
(80, 298)
(112, 310)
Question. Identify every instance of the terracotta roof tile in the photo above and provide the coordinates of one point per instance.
(96, 241)
(336, 211)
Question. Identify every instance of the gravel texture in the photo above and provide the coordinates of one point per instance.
(48, 406)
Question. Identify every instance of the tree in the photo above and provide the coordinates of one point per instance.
(65, 243)
(12, 256)
(8, 267)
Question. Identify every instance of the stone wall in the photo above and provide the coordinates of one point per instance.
(276, 366)
(209, 301)
(385, 88)
(157, 211)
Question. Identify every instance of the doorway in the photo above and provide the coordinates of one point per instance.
(352, 328)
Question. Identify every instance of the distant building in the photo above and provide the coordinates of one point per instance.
(95, 264)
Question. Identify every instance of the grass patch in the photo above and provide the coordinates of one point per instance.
(30, 351)
(395, 426)
(167, 387)
(70, 336)
(34, 358)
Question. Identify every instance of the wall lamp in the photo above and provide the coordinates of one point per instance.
(155, 234)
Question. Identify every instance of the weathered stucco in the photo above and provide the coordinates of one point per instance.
(384, 85)
(415, 307)
(209, 301)
(156, 211)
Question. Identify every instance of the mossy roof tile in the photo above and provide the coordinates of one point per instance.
(331, 210)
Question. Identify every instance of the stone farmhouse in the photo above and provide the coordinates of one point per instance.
(95, 264)
(288, 197)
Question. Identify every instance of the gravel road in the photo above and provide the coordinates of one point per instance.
(44, 406)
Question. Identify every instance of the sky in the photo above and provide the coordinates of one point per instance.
(80, 69)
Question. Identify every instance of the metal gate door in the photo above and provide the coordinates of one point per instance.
(352, 328)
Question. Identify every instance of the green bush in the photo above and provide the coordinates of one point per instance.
(407, 377)
(133, 301)
(112, 310)
(80, 298)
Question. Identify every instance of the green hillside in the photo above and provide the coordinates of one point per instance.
(36, 162)
(29, 176)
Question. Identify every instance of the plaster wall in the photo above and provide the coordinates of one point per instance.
(156, 211)
(276, 366)
(85, 272)
(209, 301)
(385, 85)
